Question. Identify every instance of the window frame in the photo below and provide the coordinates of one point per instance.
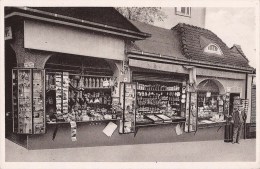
(213, 46)
(186, 13)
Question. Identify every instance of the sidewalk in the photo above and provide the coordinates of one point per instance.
(205, 151)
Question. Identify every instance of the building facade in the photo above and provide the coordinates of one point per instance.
(190, 15)
(90, 77)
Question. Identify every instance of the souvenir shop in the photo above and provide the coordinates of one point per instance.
(90, 92)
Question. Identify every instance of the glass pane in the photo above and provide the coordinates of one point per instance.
(15, 101)
(188, 10)
(38, 102)
(193, 113)
(24, 102)
(183, 10)
(129, 104)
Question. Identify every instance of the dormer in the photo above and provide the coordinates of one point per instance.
(213, 48)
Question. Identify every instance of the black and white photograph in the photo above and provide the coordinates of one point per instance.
(168, 84)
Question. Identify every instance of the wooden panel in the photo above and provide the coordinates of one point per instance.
(57, 38)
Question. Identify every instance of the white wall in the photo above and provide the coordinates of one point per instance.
(59, 38)
(197, 18)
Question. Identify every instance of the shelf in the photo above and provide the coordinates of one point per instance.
(93, 121)
(96, 88)
(93, 88)
(211, 125)
(157, 124)
(159, 90)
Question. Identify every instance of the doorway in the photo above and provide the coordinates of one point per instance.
(231, 106)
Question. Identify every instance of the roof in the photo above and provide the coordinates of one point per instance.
(106, 19)
(194, 39)
(163, 41)
(187, 42)
(104, 15)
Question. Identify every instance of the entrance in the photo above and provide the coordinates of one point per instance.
(232, 96)
(10, 63)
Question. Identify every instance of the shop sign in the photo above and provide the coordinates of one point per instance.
(8, 33)
(29, 65)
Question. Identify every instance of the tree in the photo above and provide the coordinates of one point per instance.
(143, 14)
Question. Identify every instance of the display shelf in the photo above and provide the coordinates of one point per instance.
(157, 124)
(96, 88)
(211, 125)
(158, 90)
(93, 121)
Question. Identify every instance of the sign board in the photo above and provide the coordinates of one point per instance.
(29, 65)
(8, 33)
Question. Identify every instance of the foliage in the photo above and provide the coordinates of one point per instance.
(143, 14)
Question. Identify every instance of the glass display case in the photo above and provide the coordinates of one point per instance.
(192, 117)
(28, 101)
(128, 103)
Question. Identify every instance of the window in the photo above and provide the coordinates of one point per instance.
(183, 11)
(213, 48)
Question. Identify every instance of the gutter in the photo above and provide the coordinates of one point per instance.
(170, 59)
(79, 22)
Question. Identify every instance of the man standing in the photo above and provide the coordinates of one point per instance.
(239, 118)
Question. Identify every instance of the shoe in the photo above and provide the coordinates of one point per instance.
(233, 142)
(238, 142)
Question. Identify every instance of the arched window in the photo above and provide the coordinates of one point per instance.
(213, 48)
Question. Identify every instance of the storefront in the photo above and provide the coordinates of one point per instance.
(213, 81)
(79, 83)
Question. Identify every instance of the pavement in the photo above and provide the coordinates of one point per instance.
(203, 151)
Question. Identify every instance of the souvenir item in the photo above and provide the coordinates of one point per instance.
(73, 126)
(28, 101)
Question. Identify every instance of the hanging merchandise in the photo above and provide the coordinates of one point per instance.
(58, 96)
(65, 94)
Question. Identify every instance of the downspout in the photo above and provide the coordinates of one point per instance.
(245, 98)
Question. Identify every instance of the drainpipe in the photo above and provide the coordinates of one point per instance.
(245, 98)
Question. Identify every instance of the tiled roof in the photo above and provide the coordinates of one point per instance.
(194, 39)
(187, 42)
(163, 41)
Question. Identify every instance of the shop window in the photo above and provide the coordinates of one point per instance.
(183, 11)
(78, 89)
(213, 48)
(210, 108)
(210, 104)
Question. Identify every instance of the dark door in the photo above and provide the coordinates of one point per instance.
(232, 96)
(10, 63)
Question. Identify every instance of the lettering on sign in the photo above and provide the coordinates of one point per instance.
(29, 64)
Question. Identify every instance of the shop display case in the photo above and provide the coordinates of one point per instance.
(160, 103)
(78, 97)
(128, 103)
(192, 117)
(210, 108)
(28, 101)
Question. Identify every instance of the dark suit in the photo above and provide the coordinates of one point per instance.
(238, 120)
